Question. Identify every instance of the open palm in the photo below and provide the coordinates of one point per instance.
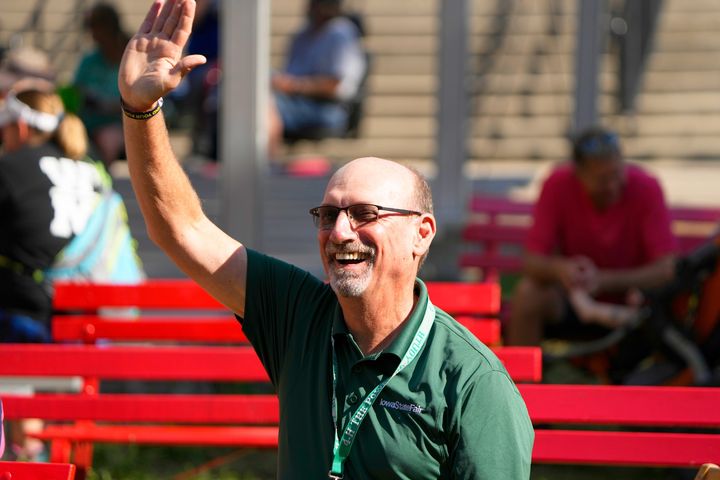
(152, 64)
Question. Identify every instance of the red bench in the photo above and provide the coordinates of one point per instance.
(641, 426)
(176, 419)
(179, 310)
(566, 417)
(497, 228)
(36, 471)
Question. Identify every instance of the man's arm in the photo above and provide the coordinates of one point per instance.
(151, 67)
(318, 86)
(648, 276)
(575, 272)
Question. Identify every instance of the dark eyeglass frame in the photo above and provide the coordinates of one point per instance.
(354, 222)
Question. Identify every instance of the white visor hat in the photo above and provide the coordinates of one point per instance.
(13, 109)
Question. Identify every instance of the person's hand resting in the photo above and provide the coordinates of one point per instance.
(152, 64)
(606, 314)
(577, 272)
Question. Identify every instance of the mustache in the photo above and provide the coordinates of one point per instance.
(332, 249)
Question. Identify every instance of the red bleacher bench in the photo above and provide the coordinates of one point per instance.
(179, 310)
(497, 227)
(36, 471)
(641, 426)
(213, 349)
(240, 420)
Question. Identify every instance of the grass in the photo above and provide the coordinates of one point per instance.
(132, 462)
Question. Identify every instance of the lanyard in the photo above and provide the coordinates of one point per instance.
(341, 447)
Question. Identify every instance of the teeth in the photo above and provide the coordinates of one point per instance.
(349, 256)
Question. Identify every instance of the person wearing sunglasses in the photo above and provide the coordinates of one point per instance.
(373, 381)
(601, 229)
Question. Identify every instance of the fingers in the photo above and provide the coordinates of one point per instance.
(162, 18)
(183, 25)
(172, 21)
(147, 24)
(188, 63)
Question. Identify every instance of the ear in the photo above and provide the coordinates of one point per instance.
(424, 235)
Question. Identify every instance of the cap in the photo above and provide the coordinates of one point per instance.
(23, 62)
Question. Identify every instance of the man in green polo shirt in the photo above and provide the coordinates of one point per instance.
(374, 382)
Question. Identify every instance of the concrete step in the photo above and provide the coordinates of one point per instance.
(683, 102)
(401, 105)
(640, 125)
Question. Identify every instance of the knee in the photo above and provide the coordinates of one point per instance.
(535, 299)
(528, 291)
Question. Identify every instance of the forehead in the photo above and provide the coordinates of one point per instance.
(379, 182)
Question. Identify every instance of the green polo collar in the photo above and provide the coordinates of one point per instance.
(400, 345)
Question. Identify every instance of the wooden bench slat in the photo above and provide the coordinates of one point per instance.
(240, 436)
(90, 328)
(179, 329)
(482, 232)
(487, 330)
(504, 263)
(457, 298)
(453, 297)
(638, 406)
(219, 363)
(626, 448)
(160, 294)
(36, 471)
(557, 404)
(253, 409)
(523, 363)
(492, 205)
(551, 446)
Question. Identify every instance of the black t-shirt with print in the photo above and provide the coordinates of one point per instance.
(45, 199)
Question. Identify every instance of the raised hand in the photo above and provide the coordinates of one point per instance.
(152, 64)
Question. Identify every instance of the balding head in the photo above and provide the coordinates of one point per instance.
(381, 180)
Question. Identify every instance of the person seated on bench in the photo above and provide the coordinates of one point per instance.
(324, 69)
(364, 357)
(601, 229)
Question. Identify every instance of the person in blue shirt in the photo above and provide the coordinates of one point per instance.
(324, 68)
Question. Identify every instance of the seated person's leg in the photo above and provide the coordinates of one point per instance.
(299, 114)
(533, 305)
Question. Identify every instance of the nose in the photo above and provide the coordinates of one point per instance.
(342, 231)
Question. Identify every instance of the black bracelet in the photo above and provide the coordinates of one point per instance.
(142, 115)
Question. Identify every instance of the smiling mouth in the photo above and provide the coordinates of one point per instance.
(350, 258)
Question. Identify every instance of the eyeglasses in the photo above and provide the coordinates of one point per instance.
(359, 214)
